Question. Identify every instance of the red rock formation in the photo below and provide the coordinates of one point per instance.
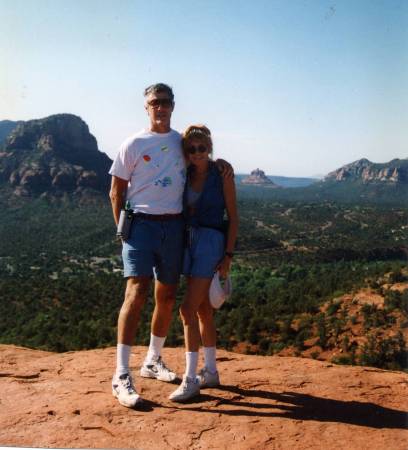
(64, 400)
(395, 171)
(258, 177)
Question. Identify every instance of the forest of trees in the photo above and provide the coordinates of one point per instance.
(61, 284)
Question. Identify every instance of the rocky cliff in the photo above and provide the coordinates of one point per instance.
(52, 156)
(6, 127)
(395, 171)
(264, 402)
(258, 177)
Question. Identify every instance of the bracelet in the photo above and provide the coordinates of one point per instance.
(229, 254)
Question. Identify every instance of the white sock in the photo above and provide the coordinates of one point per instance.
(191, 364)
(122, 359)
(155, 347)
(209, 359)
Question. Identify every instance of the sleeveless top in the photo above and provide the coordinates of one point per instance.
(210, 207)
(192, 195)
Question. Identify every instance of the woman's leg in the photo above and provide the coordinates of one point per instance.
(208, 376)
(206, 321)
(197, 292)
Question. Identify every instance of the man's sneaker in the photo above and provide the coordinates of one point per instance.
(124, 391)
(189, 388)
(157, 369)
(208, 379)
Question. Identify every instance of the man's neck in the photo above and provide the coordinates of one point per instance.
(160, 128)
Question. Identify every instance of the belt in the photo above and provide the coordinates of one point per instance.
(158, 217)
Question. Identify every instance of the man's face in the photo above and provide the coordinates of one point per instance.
(159, 108)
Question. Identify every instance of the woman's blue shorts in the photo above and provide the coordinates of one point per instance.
(203, 253)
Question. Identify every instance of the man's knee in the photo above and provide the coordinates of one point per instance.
(166, 296)
(137, 290)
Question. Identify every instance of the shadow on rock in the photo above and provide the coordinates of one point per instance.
(298, 406)
(146, 406)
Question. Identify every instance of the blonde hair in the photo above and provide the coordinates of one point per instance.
(199, 132)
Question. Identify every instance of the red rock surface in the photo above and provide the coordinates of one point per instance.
(64, 400)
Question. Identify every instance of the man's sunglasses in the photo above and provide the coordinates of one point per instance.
(164, 102)
(193, 149)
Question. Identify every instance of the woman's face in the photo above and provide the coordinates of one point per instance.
(197, 152)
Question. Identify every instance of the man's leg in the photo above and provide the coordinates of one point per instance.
(153, 367)
(165, 297)
(168, 262)
(137, 289)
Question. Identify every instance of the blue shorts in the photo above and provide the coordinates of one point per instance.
(154, 248)
(203, 253)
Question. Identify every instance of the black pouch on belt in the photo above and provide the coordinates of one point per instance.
(125, 224)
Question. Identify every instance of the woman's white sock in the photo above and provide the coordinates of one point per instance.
(210, 359)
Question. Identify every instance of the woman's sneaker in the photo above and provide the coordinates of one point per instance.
(124, 391)
(208, 379)
(157, 369)
(188, 388)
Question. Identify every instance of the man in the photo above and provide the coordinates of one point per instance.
(149, 172)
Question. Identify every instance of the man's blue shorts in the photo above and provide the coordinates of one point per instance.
(204, 251)
(154, 248)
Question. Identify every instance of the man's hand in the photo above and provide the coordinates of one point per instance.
(225, 168)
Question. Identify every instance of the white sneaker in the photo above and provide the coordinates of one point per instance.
(188, 388)
(124, 391)
(208, 379)
(157, 369)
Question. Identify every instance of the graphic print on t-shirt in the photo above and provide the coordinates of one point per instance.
(153, 164)
(166, 181)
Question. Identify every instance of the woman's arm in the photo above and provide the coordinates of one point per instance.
(232, 212)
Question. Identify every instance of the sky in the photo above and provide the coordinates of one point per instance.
(294, 87)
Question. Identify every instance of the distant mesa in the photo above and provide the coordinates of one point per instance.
(52, 156)
(258, 178)
(363, 170)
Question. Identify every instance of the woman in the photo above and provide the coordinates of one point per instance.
(207, 196)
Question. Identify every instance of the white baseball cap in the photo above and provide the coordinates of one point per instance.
(219, 290)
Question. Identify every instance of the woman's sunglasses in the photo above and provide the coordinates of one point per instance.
(193, 149)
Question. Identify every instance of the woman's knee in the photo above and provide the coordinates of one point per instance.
(205, 313)
(188, 314)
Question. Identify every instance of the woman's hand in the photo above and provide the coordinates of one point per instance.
(224, 266)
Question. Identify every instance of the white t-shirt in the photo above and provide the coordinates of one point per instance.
(153, 164)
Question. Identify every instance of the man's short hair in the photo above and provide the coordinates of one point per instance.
(159, 87)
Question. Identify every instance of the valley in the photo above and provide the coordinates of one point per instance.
(320, 268)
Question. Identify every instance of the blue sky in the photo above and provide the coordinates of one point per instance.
(297, 88)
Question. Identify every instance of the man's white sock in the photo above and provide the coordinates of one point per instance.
(191, 364)
(122, 359)
(209, 359)
(155, 347)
